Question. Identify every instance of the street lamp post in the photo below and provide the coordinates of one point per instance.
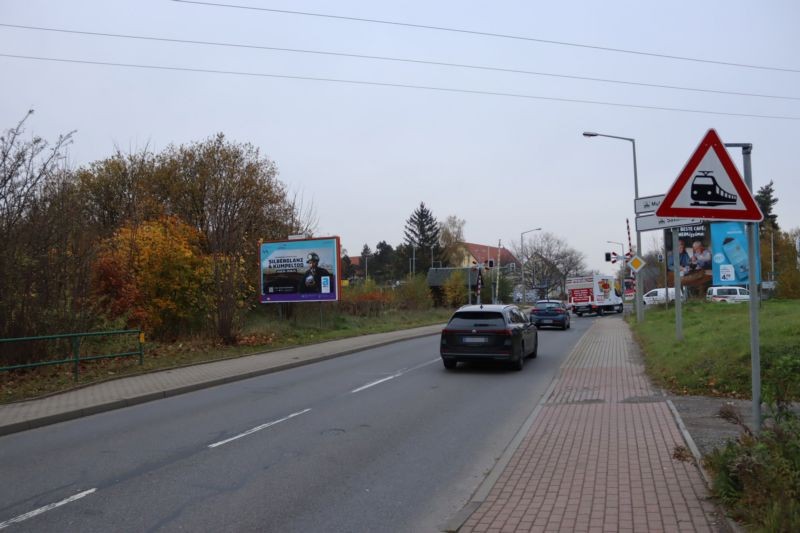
(522, 251)
(366, 266)
(638, 299)
(622, 270)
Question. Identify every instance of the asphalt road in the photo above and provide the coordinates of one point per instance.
(384, 439)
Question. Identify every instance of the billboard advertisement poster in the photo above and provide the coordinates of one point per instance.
(731, 260)
(304, 270)
(695, 252)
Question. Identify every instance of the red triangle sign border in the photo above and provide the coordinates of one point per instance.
(711, 141)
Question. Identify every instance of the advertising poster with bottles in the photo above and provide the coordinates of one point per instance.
(730, 258)
(304, 270)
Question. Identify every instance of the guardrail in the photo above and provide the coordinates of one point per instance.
(75, 345)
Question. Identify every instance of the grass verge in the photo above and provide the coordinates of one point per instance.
(714, 357)
(263, 332)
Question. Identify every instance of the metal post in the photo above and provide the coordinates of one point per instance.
(522, 269)
(497, 274)
(469, 286)
(141, 347)
(755, 341)
(666, 278)
(772, 252)
(76, 355)
(752, 244)
(639, 309)
(676, 262)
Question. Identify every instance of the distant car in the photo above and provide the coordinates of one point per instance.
(550, 313)
(499, 333)
(659, 296)
(731, 295)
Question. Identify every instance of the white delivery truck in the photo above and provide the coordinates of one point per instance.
(593, 294)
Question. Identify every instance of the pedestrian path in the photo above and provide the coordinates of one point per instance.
(132, 390)
(598, 456)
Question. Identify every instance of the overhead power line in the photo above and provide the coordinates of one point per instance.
(398, 59)
(394, 85)
(491, 34)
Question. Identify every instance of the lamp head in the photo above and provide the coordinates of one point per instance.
(589, 134)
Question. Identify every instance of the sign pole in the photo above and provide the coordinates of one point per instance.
(755, 349)
(666, 279)
(676, 265)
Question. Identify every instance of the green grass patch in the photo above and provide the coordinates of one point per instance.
(264, 331)
(714, 357)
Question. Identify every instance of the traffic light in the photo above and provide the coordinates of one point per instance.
(491, 263)
(608, 256)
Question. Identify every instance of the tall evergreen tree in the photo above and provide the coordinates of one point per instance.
(765, 198)
(422, 228)
(422, 233)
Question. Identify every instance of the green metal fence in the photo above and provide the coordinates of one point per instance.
(75, 344)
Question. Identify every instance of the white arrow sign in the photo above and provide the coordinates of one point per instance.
(652, 222)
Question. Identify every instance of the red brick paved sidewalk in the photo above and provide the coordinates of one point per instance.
(598, 456)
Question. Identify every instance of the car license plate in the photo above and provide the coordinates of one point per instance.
(547, 321)
(475, 340)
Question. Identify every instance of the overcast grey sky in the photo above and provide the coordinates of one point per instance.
(367, 155)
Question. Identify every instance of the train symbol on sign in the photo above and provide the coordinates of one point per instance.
(706, 191)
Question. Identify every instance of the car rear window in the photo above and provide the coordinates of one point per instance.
(477, 319)
(547, 305)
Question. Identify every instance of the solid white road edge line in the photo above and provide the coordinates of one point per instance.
(379, 381)
(44, 509)
(258, 428)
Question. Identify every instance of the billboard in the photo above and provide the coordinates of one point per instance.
(304, 270)
(694, 256)
(731, 259)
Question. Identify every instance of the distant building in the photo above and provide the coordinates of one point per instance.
(472, 255)
(358, 268)
(481, 254)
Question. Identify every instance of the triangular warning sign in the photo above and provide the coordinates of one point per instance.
(710, 187)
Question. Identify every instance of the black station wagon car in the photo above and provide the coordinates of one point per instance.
(488, 333)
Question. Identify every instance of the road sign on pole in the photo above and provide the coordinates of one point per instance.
(652, 222)
(647, 204)
(710, 188)
(636, 263)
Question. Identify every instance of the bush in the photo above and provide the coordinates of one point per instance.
(781, 377)
(455, 289)
(365, 299)
(758, 476)
(155, 277)
(414, 294)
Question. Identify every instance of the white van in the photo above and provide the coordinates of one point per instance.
(731, 295)
(659, 296)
